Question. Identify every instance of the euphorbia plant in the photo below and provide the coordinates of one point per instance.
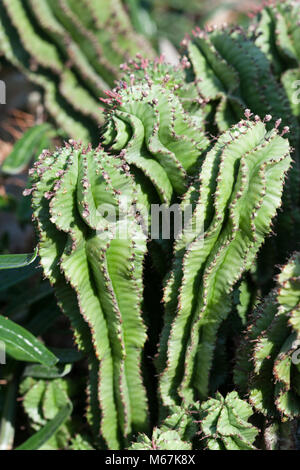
(98, 280)
(215, 134)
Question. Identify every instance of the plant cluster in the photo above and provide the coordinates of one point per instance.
(218, 133)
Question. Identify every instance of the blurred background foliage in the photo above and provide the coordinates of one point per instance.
(172, 19)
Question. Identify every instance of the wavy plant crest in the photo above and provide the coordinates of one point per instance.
(267, 367)
(148, 125)
(220, 423)
(97, 277)
(235, 69)
(236, 197)
(42, 400)
(160, 72)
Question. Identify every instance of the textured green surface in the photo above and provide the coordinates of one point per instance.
(175, 433)
(97, 278)
(235, 69)
(224, 423)
(148, 124)
(239, 191)
(219, 132)
(24, 346)
(265, 368)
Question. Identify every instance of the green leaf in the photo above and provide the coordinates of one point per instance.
(32, 400)
(16, 268)
(11, 277)
(24, 149)
(17, 261)
(43, 435)
(22, 345)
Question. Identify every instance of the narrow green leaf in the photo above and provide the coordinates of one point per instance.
(24, 149)
(22, 345)
(36, 441)
(17, 261)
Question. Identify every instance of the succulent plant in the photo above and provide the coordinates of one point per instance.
(209, 135)
(148, 125)
(161, 440)
(234, 80)
(216, 424)
(175, 433)
(224, 423)
(235, 199)
(281, 435)
(275, 30)
(82, 260)
(232, 71)
(42, 400)
(267, 367)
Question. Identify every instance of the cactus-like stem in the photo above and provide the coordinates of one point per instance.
(229, 66)
(276, 31)
(54, 101)
(89, 207)
(232, 72)
(50, 24)
(97, 278)
(281, 436)
(267, 362)
(238, 193)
